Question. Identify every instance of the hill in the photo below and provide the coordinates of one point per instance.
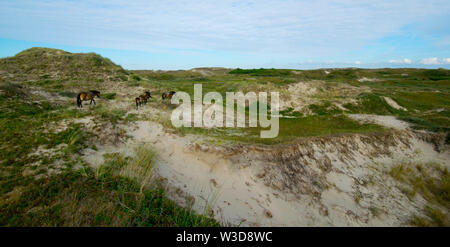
(57, 68)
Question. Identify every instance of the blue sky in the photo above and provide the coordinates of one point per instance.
(185, 34)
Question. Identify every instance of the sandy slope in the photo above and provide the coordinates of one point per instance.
(314, 182)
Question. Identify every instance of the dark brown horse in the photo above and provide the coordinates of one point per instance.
(83, 96)
(142, 99)
(168, 95)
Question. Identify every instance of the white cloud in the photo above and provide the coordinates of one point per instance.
(239, 32)
(404, 61)
(430, 61)
(446, 60)
(292, 28)
(358, 62)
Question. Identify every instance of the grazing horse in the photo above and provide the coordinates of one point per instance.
(83, 96)
(168, 95)
(142, 99)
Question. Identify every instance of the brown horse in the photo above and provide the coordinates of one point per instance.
(168, 95)
(142, 99)
(83, 96)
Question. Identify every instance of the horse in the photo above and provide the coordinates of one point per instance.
(142, 99)
(87, 96)
(168, 95)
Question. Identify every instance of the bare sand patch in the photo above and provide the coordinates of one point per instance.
(299, 96)
(363, 79)
(394, 104)
(386, 121)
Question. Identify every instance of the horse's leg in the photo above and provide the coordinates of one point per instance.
(94, 101)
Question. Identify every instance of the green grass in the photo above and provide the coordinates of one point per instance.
(24, 128)
(434, 217)
(87, 198)
(68, 94)
(122, 192)
(290, 112)
(293, 128)
(325, 108)
(426, 110)
(420, 91)
(109, 95)
(290, 129)
(261, 72)
(135, 77)
(422, 123)
(371, 104)
(56, 69)
(113, 116)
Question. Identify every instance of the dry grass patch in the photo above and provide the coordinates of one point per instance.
(432, 182)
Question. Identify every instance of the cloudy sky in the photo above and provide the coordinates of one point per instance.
(184, 34)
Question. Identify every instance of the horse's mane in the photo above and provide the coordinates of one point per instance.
(95, 91)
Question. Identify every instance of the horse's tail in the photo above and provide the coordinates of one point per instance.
(163, 94)
(79, 100)
(137, 103)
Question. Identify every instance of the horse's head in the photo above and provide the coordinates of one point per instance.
(172, 92)
(148, 94)
(96, 93)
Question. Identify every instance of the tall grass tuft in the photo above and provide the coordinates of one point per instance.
(141, 167)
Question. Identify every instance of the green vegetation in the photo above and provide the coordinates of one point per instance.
(98, 198)
(135, 77)
(290, 129)
(68, 94)
(57, 188)
(326, 108)
(435, 218)
(371, 104)
(112, 116)
(109, 95)
(261, 72)
(23, 126)
(57, 69)
(424, 93)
